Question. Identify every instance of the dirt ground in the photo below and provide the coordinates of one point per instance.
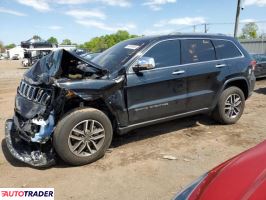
(134, 167)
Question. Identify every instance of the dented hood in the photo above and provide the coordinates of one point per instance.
(53, 66)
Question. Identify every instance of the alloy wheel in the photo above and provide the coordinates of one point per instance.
(233, 105)
(86, 138)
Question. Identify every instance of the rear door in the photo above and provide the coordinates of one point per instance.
(205, 73)
(159, 92)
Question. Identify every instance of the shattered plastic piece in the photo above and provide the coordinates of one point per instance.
(36, 155)
(169, 157)
(46, 129)
(23, 152)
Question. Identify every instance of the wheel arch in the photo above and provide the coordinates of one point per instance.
(97, 103)
(239, 82)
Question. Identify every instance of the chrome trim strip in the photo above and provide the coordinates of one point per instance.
(29, 92)
(179, 72)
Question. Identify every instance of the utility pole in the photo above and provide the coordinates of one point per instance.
(205, 28)
(194, 28)
(237, 17)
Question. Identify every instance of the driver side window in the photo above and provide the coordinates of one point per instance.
(165, 54)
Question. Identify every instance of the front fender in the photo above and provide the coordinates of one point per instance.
(109, 91)
(90, 89)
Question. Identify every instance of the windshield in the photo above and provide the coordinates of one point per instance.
(116, 56)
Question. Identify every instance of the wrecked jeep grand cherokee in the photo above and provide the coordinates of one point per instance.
(68, 106)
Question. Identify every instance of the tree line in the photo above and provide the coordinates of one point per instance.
(251, 31)
(98, 44)
(101, 43)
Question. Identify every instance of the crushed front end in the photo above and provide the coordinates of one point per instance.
(39, 105)
(28, 133)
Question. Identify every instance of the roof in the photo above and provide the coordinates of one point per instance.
(186, 35)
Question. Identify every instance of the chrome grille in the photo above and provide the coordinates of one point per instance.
(35, 94)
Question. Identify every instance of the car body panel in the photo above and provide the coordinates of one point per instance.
(144, 103)
(242, 177)
(260, 70)
(211, 79)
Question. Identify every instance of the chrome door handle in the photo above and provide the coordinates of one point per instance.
(220, 65)
(178, 72)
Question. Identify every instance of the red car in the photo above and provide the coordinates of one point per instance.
(242, 177)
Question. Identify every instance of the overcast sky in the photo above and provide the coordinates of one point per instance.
(80, 20)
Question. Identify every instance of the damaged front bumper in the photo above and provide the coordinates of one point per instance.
(34, 154)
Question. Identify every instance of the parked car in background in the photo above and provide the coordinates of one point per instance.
(79, 51)
(89, 56)
(242, 177)
(15, 57)
(3, 56)
(37, 43)
(260, 70)
(72, 106)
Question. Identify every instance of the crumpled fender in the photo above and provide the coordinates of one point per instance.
(90, 89)
(23, 152)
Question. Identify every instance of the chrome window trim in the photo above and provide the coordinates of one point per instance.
(140, 54)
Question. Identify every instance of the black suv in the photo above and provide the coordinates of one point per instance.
(69, 106)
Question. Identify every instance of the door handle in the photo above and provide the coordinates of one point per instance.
(178, 72)
(220, 65)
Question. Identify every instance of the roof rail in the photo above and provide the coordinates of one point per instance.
(198, 33)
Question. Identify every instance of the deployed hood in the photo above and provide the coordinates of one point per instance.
(61, 64)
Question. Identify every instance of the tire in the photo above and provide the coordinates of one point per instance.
(223, 110)
(69, 131)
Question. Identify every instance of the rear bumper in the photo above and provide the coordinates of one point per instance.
(30, 153)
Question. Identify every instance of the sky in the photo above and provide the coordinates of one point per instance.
(81, 20)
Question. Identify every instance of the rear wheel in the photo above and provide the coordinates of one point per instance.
(83, 136)
(230, 106)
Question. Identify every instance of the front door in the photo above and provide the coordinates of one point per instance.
(159, 92)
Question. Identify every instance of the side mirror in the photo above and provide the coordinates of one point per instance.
(144, 63)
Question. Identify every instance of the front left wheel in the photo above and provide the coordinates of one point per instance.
(83, 136)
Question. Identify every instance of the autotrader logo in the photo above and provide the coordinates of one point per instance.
(27, 193)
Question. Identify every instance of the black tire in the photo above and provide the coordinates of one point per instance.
(220, 114)
(65, 127)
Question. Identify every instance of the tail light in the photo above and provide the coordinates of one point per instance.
(253, 64)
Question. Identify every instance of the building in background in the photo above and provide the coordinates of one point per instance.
(18, 50)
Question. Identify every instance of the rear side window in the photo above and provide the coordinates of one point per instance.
(166, 53)
(197, 50)
(225, 49)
